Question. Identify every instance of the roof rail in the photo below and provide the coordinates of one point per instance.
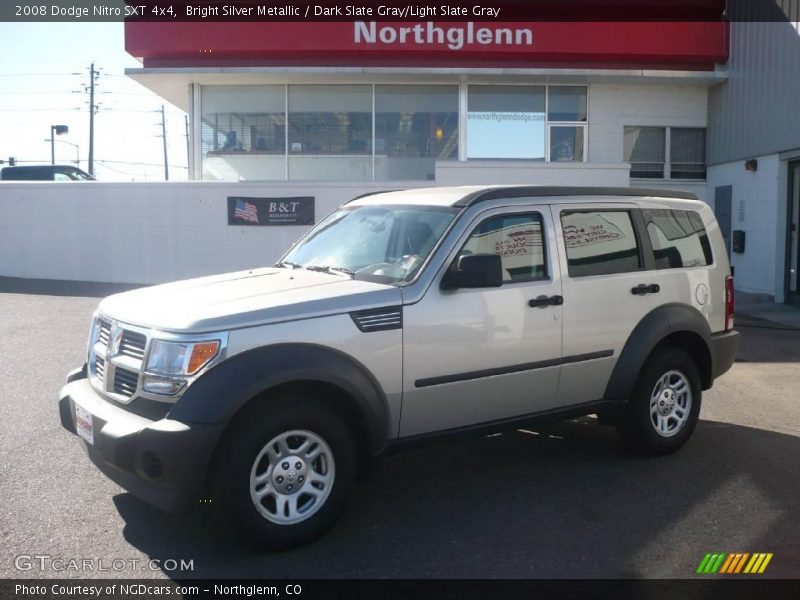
(371, 194)
(549, 190)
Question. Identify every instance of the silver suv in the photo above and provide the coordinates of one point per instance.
(405, 316)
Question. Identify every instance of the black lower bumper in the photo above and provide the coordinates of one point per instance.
(724, 347)
(163, 462)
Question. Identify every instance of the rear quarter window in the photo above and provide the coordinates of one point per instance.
(678, 237)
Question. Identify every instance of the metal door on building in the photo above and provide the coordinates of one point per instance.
(723, 196)
(793, 224)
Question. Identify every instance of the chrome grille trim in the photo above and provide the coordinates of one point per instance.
(104, 332)
(99, 367)
(125, 382)
(133, 344)
(118, 354)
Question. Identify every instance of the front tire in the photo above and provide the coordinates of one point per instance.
(665, 406)
(285, 472)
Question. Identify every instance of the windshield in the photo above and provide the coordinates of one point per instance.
(387, 244)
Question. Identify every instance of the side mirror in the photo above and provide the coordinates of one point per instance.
(475, 271)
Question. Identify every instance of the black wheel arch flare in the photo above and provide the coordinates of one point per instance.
(226, 389)
(684, 324)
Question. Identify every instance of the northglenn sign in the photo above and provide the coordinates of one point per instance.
(654, 45)
(455, 38)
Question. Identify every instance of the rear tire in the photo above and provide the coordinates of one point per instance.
(285, 472)
(663, 411)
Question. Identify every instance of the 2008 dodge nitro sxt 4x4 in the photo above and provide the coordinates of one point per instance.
(400, 316)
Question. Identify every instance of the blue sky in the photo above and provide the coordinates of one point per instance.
(43, 71)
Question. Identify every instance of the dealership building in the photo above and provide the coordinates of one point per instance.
(706, 106)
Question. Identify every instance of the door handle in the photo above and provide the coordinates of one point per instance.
(543, 301)
(642, 289)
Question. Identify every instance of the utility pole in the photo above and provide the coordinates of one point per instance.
(92, 109)
(164, 136)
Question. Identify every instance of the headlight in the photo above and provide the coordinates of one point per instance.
(180, 358)
(169, 364)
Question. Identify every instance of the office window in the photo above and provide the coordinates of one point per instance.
(330, 132)
(415, 125)
(678, 237)
(243, 131)
(646, 149)
(506, 121)
(517, 239)
(566, 103)
(566, 143)
(600, 243)
(687, 153)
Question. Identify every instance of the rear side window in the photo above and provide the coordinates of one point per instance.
(517, 239)
(678, 237)
(600, 243)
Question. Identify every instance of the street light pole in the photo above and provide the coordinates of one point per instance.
(54, 131)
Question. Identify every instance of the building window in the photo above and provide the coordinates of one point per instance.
(243, 132)
(566, 103)
(687, 153)
(600, 243)
(506, 121)
(532, 122)
(666, 152)
(330, 132)
(415, 125)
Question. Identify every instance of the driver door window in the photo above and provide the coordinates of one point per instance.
(517, 239)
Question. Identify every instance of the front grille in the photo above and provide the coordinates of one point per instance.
(132, 344)
(104, 333)
(125, 382)
(100, 368)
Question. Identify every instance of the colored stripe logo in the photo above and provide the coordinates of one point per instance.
(734, 563)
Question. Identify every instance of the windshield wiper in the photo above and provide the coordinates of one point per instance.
(328, 269)
(286, 263)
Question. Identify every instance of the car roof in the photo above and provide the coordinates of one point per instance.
(468, 195)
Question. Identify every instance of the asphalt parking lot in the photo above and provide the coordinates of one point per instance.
(562, 501)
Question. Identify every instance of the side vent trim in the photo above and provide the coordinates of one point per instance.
(378, 319)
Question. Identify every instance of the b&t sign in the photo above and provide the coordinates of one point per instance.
(297, 210)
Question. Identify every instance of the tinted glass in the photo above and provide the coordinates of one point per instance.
(566, 103)
(678, 237)
(415, 125)
(566, 144)
(600, 243)
(243, 132)
(517, 239)
(645, 150)
(330, 132)
(687, 153)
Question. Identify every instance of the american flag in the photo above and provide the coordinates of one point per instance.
(246, 211)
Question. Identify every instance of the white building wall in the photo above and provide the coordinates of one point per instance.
(157, 232)
(758, 207)
(612, 107)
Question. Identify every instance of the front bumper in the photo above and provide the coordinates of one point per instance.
(724, 347)
(163, 462)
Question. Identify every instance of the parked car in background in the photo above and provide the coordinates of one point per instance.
(401, 317)
(45, 173)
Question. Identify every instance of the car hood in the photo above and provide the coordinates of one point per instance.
(245, 299)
